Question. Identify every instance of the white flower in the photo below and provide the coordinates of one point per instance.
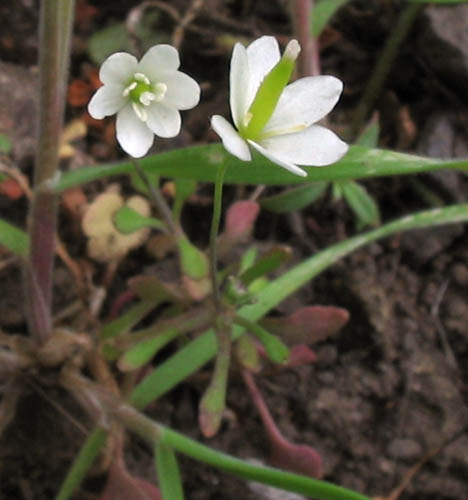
(275, 119)
(146, 96)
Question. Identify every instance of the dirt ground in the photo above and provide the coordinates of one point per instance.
(387, 398)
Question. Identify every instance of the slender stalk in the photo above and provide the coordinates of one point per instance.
(158, 199)
(154, 432)
(384, 64)
(55, 34)
(218, 197)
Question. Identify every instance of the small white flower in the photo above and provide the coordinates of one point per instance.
(275, 119)
(146, 96)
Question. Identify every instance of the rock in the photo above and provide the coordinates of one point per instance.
(444, 46)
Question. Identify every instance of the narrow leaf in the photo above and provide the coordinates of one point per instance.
(82, 463)
(295, 198)
(274, 347)
(322, 12)
(142, 352)
(128, 320)
(201, 163)
(168, 472)
(369, 137)
(268, 262)
(362, 204)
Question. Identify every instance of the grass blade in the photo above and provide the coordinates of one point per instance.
(168, 472)
(201, 162)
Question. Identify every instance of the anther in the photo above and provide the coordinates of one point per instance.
(127, 91)
(141, 77)
(140, 112)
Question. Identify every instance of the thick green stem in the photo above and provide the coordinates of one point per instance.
(217, 205)
(385, 64)
(55, 34)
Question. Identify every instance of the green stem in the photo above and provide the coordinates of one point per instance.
(217, 205)
(384, 64)
(158, 200)
(153, 432)
(55, 34)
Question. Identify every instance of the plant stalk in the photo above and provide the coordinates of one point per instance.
(158, 199)
(55, 33)
(217, 205)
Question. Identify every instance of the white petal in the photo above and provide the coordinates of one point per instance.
(183, 92)
(304, 102)
(133, 134)
(107, 100)
(118, 69)
(262, 55)
(232, 141)
(158, 61)
(315, 145)
(239, 77)
(163, 120)
(279, 161)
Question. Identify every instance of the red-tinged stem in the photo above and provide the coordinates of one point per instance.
(257, 399)
(55, 33)
(309, 60)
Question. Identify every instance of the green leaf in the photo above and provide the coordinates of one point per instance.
(123, 324)
(295, 198)
(321, 14)
(184, 189)
(116, 37)
(168, 472)
(5, 144)
(105, 42)
(362, 204)
(201, 163)
(14, 239)
(82, 463)
(275, 348)
(369, 137)
(143, 351)
(198, 352)
(268, 262)
(127, 220)
(194, 262)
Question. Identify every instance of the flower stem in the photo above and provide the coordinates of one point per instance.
(55, 34)
(217, 205)
(158, 200)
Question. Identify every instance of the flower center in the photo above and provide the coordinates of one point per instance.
(143, 92)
